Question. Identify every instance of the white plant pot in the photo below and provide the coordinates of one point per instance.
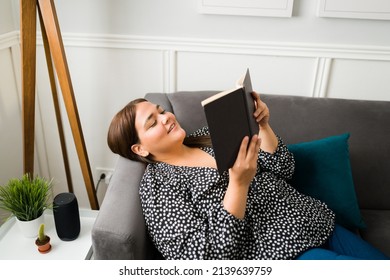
(30, 228)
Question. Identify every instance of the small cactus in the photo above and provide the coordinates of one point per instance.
(41, 233)
(43, 241)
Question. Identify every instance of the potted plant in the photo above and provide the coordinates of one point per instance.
(43, 240)
(26, 199)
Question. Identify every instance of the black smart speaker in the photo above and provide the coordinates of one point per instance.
(66, 216)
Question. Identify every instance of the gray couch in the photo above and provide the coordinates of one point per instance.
(119, 231)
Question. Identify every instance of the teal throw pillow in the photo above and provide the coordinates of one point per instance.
(323, 171)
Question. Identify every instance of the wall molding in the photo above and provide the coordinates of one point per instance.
(324, 54)
(9, 39)
(170, 47)
(377, 10)
(169, 70)
(360, 52)
(321, 80)
(265, 8)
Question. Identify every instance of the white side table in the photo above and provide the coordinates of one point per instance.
(14, 246)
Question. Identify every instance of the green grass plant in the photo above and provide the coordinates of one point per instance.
(26, 198)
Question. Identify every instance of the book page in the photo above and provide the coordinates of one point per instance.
(239, 84)
(217, 96)
(240, 81)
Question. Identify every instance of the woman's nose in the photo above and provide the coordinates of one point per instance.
(164, 119)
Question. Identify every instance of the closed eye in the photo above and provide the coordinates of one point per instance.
(160, 111)
(153, 124)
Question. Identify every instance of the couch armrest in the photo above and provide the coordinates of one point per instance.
(119, 230)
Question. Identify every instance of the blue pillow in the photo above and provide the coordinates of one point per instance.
(323, 171)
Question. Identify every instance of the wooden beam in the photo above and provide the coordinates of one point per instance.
(28, 59)
(57, 50)
(56, 104)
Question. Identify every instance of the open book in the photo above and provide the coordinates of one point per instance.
(230, 118)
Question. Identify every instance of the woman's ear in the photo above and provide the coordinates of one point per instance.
(139, 150)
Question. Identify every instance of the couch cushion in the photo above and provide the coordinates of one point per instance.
(323, 171)
(297, 119)
(185, 105)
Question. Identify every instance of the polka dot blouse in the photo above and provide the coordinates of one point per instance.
(185, 217)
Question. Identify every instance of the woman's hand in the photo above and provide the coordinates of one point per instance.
(245, 166)
(269, 141)
(261, 113)
(240, 177)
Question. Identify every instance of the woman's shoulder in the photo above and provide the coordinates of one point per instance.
(154, 169)
(155, 174)
(200, 132)
(159, 172)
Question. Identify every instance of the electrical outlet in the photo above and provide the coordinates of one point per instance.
(107, 174)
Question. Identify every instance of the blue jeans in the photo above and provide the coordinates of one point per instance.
(344, 245)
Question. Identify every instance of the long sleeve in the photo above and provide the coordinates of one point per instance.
(281, 162)
(185, 216)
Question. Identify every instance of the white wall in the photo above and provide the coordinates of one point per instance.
(7, 18)
(120, 49)
(178, 18)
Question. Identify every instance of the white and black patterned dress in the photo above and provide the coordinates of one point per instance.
(185, 217)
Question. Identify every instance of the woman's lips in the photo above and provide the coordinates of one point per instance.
(171, 127)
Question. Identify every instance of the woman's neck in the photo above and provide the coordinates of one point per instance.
(188, 156)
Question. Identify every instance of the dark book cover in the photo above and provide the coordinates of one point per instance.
(230, 118)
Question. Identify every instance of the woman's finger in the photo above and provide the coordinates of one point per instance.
(253, 148)
(243, 148)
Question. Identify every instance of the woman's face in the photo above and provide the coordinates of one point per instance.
(158, 131)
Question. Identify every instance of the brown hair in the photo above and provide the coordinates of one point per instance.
(122, 134)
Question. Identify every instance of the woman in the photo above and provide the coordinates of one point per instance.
(248, 212)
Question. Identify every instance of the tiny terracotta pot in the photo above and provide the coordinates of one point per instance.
(43, 247)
